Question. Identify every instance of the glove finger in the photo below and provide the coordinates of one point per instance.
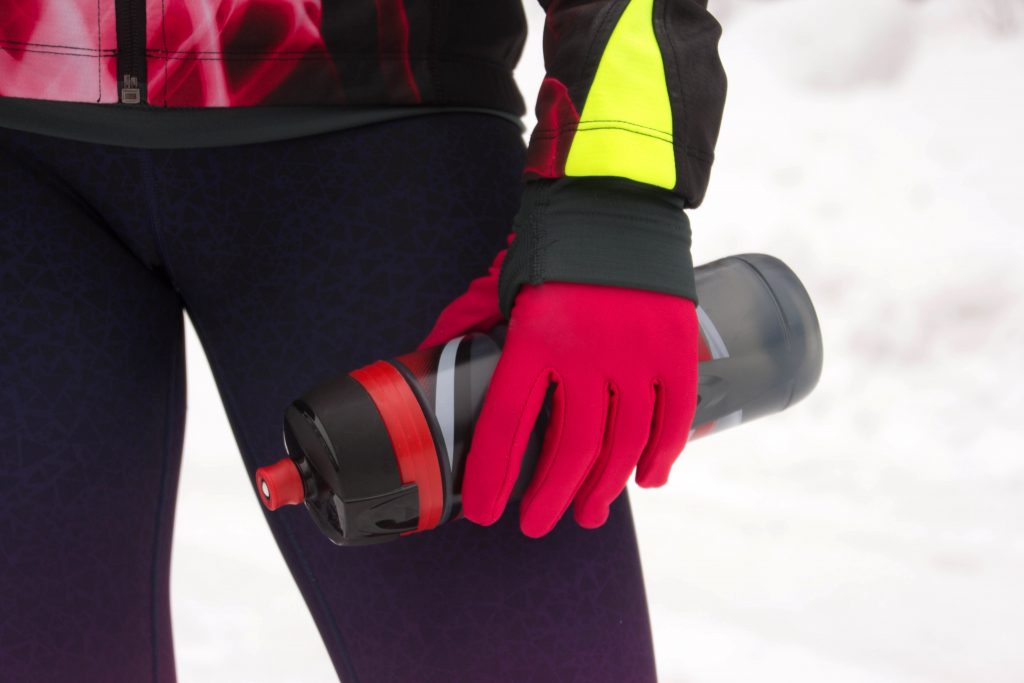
(572, 443)
(674, 408)
(509, 412)
(629, 418)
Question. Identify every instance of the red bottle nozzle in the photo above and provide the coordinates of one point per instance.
(280, 484)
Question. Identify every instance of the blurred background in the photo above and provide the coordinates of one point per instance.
(874, 532)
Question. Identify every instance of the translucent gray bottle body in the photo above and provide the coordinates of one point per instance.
(760, 352)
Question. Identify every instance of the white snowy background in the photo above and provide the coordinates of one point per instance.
(874, 532)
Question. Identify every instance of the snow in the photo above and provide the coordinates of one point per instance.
(874, 532)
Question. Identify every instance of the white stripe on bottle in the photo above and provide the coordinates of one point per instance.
(444, 397)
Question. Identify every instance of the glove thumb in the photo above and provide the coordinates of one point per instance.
(475, 310)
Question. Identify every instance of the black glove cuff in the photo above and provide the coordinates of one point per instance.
(598, 230)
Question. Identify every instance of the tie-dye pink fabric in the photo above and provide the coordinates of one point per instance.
(198, 52)
(235, 52)
(58, 50)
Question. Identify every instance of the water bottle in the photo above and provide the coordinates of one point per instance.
(379, 453)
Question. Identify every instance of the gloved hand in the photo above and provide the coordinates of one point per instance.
(624, 362)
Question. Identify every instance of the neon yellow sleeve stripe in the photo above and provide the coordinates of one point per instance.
(625, 127)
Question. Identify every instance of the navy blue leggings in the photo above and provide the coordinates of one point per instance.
(297, 260)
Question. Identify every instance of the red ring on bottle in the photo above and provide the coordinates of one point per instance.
(410, 436)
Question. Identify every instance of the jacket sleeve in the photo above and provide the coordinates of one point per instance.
(634, 89)
(628, 115)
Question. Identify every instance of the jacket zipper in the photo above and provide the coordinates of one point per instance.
(131, 51)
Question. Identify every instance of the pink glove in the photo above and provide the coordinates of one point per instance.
(624, 362)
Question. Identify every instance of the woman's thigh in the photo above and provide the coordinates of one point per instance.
(303, 259)
(91, 418)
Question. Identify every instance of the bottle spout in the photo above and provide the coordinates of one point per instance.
(280, 484)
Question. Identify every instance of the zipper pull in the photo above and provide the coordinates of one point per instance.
(130, 90)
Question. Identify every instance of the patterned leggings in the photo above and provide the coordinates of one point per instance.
(296, 260)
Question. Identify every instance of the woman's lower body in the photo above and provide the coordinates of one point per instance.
(296, 260)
